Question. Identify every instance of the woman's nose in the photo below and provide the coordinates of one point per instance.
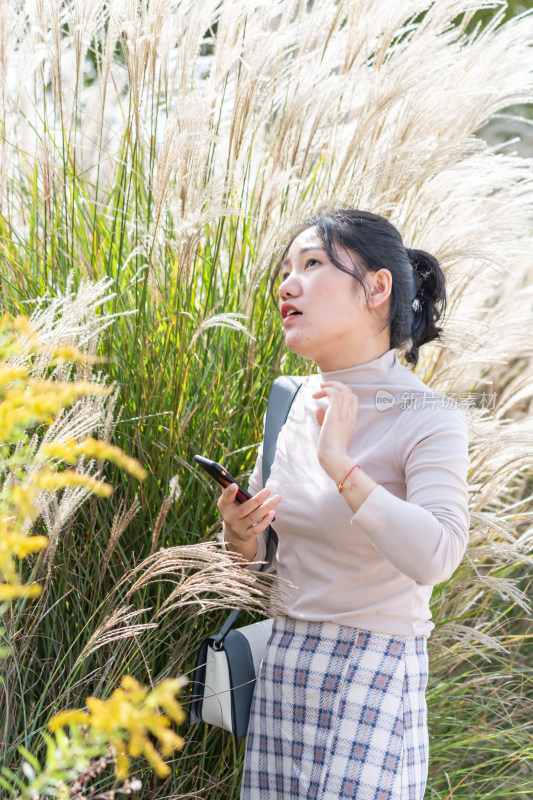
(290, 287)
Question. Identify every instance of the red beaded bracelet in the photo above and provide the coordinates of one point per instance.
(340, 485)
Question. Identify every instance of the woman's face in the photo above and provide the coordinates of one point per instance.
(333, 325)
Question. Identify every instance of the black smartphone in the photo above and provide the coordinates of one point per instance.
(222, 476)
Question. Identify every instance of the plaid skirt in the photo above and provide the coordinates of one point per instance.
(338, 712)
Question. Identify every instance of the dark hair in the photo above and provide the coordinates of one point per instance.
(418, 294)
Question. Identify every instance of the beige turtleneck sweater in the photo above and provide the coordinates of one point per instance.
(374, 569)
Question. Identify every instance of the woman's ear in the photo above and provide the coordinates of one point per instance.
(380, 287)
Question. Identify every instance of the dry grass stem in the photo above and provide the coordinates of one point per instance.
(175, 493)
(205, 576)
(121, 520)
(116, 628)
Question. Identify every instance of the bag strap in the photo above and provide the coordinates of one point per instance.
(217, 639)
(280, 400)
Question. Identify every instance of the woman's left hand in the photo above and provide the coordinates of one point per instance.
(337, 425)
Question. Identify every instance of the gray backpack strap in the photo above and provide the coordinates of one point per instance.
(280, 399)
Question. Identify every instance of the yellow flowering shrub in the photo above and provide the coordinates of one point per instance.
(125, 725)
(128, 718)
(25, 403)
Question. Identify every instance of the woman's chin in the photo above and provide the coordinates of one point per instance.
(300, 347)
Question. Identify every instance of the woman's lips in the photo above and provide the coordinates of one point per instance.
(290, 318)
(287, 308)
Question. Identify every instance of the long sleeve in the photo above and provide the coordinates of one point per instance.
(425, 535)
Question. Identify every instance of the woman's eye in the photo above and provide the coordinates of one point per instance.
(308, 263)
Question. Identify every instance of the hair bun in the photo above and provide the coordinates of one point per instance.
(428, 274)
(429, 302)
(420, 262)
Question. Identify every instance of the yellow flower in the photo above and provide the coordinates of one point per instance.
(39, 401)
(46, 479)
(23, 499)
(68, 717)
(129, 717)
(70, 450)
(15, 543)
(31, 544)
(20, 543)
(24, 403)
(10, 592)
(9, 375)
(65, 353)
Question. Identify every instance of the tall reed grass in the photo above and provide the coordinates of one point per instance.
(166, 147)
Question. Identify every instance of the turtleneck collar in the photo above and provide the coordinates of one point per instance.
(376, 369)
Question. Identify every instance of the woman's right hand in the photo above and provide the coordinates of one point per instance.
(243, 522)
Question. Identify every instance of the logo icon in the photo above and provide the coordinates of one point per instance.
(384, 400)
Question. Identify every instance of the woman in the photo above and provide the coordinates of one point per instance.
(369, 488)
